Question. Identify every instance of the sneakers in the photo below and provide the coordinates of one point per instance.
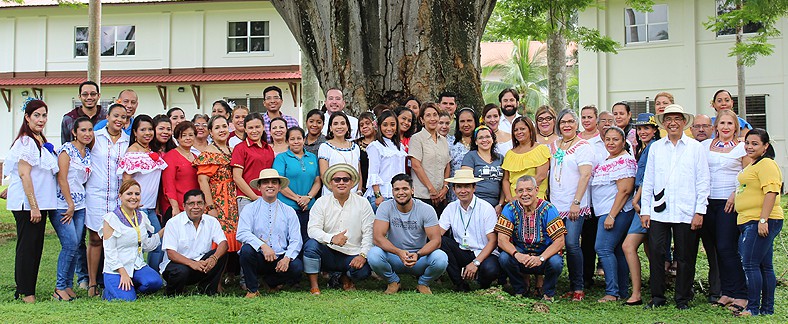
(392, 288)
(422, 289)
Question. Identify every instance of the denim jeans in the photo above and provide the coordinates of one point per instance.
(145, 281)
(371, 200)
(320, 257)
(732, 281)
(551, 269)
(156, 256)
(69, 235)
(574, 255)
(608, 247)
(303, 220)
(388, 265)
(756, 254)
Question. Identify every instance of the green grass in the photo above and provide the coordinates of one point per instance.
(367, 305)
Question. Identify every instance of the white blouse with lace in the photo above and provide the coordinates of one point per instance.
(78, 173)
(44, 163)
(385, 161)
(603, 182)
(147, 171)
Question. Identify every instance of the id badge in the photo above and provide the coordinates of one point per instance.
(464, 243)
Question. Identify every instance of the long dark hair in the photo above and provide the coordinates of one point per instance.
(413, 120)
(764, 137)
(136, 126)
(25, 129)
(155, 145)
(227, 109)
(457, 131)
(641, 146)
(528, 124)
(329, 133)
(475, 135)
(627, 128)
(394, 139)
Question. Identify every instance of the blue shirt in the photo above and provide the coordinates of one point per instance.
(642, 165)
(274, 224)
(102, 123)
(301, 172)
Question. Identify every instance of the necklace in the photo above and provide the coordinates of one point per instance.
(230, 153)
(546, 137)
(720, 144)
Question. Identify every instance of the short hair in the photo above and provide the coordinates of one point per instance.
(294, 129)
(316, 112)
(182, 127)
(428, 105)
(592, 108)
(273, 88)
(561, 115)
(124, 91)
(89, 83)
(402, 177)
(544, 109)
(603, 112)
(510, 90)
(200, 116)
(193, 193)
(726, 112)
(447, 94)
(527, 178)
(667, 95)
(126, 184)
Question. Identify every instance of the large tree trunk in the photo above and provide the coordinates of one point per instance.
(376, 51)
(556, 70)
(94, 41)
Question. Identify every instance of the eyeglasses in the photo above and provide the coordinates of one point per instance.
(707, 126)
(544, 119)
(195, 204)
(673, 119)
(567, 122)
(526, 189)
(341, 179)
(605, 121)
(89, 94)
(201, 125)
(273, 98)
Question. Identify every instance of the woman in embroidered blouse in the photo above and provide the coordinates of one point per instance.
(314, 129)
(545, 124)
(338, 148)
(491, 115)
(31, 164)
(588, 116)
(201, 143)
(386, 159)
(109, 147)
(570, 172)
(69, 220)
(460, 143)
(180, 175)
(430, 160)
(526, 158)
(127, 233)
(302, 169)
(239, 115)
(162, 129)
(278, 135)
(612, 184)
(486, 164)
(368, 132)
(720, 232)
(145, 166)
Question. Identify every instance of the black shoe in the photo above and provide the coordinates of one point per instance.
(463, 287)
(682, 307)
(634, 303)
(333, 280)
(652, 305)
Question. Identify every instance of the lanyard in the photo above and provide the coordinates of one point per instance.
(462, 218)
(134, 221)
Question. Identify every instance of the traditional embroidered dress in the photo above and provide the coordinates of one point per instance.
(104, 182)
(146, 168)
(78, 174)
(220, 172)
(565, 174)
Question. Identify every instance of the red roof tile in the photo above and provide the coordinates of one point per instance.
(166, 78)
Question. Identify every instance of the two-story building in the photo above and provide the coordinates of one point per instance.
(669, 49)
(172, 53)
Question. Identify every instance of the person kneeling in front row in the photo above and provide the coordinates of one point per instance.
(187, 243)
(271, 237)
(530, 233)
(340, 227)
(401, 229)
(471, 248)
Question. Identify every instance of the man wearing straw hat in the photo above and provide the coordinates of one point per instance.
(674, 198)
(401, 231)
(471, 248)
(340, 231)
(271, 236)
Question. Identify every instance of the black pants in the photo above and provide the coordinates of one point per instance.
(29, 246)
(587, 242)
(178, 276)
(459, 258)
(685, 254)
(708, 235)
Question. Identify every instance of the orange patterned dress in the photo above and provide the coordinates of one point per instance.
(217, 167)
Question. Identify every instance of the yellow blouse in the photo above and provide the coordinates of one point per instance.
(755, 181)
(526, 163)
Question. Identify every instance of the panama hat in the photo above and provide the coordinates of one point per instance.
(675, 109)
(646, 119)
(463, 176)
(269, 174)
(340, 167)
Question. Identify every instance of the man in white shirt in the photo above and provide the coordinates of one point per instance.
(471, 247)
(187, 241)
(675, 193)
(335, 102)
(509, 101)
(340, 231)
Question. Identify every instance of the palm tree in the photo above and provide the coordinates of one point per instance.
(523, 72)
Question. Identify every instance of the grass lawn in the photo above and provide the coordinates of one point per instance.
(367, 305)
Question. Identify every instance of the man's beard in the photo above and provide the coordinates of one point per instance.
(507, 112)
(403, 204)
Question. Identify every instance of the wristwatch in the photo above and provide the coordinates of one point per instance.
(762, 221)
(476, 262)
(541, 259)
(363, 255)
(576, 202)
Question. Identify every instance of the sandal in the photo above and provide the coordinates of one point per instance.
(718, 304)
(578, 296)
(57, 296)
(95, 290)
(314, 291)
(606, 299)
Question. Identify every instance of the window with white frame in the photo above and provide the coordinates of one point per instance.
(248, 37)
(255, 104)
(724, 7)
(115, 41)
(646, 27)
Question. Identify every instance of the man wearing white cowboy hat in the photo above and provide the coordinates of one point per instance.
(674, 197)
(340, 230)
(271, 236)
(471, 248)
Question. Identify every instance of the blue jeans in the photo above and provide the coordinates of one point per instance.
(608, 247)
(69, 235)
(371, 200)
(388, 265)
(156, 256)
(574, 255)
(145, 280)
(756, 254)
(319, 256)
(551, 269)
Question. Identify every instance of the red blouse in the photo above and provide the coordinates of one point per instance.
(252, 158)
(178, 178)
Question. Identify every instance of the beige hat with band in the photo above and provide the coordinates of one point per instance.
(463, 176)
(269, 174)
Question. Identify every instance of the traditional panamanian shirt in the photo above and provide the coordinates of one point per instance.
(531, 234)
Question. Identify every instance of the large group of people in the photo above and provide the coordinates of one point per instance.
(423, 189)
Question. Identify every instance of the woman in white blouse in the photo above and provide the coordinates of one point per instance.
(69, 220)
(338, 148)
(726, 157)
(386, 159)
(145, 166)
(109, 146)
(127, 233)
(31, 165)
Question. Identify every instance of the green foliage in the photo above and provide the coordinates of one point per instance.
(767, 13)
(527, 74)
(573, 89)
